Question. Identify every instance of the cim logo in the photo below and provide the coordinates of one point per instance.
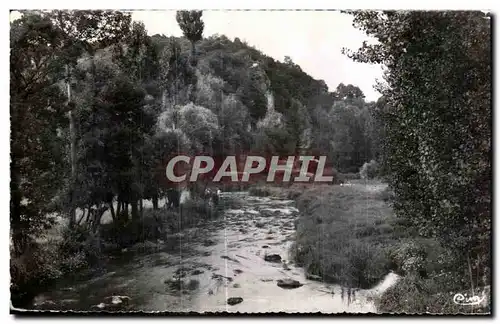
(248, 168)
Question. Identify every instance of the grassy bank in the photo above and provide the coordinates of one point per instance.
(345, 234)
(349, 235)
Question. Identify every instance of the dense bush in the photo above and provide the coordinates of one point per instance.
(416, 295)
(369, 170)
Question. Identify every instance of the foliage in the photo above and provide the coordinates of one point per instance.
(192, 27)
(415, 295)
(437, 124)
(37, 116)
(369, 170)
(191, 24)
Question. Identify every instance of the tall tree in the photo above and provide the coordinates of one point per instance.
(37, 117)
(83, 31)
(192, 27)
(437, 124)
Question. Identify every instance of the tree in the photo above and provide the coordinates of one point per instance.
(234, 120)
(37, 118)
(343, 141)
(252, 94)
(139, 56)
(298, 124)
(178, 76)
(83, 31)
(437, 124)
(348, 92)
(200, 124)
(192, 27)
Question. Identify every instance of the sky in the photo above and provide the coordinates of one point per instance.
(312, 39)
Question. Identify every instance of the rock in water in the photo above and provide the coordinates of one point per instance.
(193, 284)
(117, 300)
(120, 299)
(100, 305)
(196, 272)
(272, 258)
(289, 284)
(313, 277)
(234, 300)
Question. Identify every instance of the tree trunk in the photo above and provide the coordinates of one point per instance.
(15, 210)
(141, 207)
(90, 217)
(97, 217)
(82, 217)
(118, 207)
(112, 209)
(135, 214)
(72, 213)
(155, 201)
(193, 54)
(125, 210)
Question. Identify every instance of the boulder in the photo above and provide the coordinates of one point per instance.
(234, 300)
(99, 306)
(196, 272)
(193, 284)
(272, 258)
(289, 283)
(117, 300)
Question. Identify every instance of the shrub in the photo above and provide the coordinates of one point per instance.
(387, 195)
(409, 258)
(78, 249)
(369, 170)
(36, 268)
(416, 295)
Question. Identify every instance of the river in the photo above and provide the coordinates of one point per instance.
(201, 268)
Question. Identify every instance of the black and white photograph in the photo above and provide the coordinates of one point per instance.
(214, 162)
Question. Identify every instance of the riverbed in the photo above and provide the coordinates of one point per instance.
(202, 268)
